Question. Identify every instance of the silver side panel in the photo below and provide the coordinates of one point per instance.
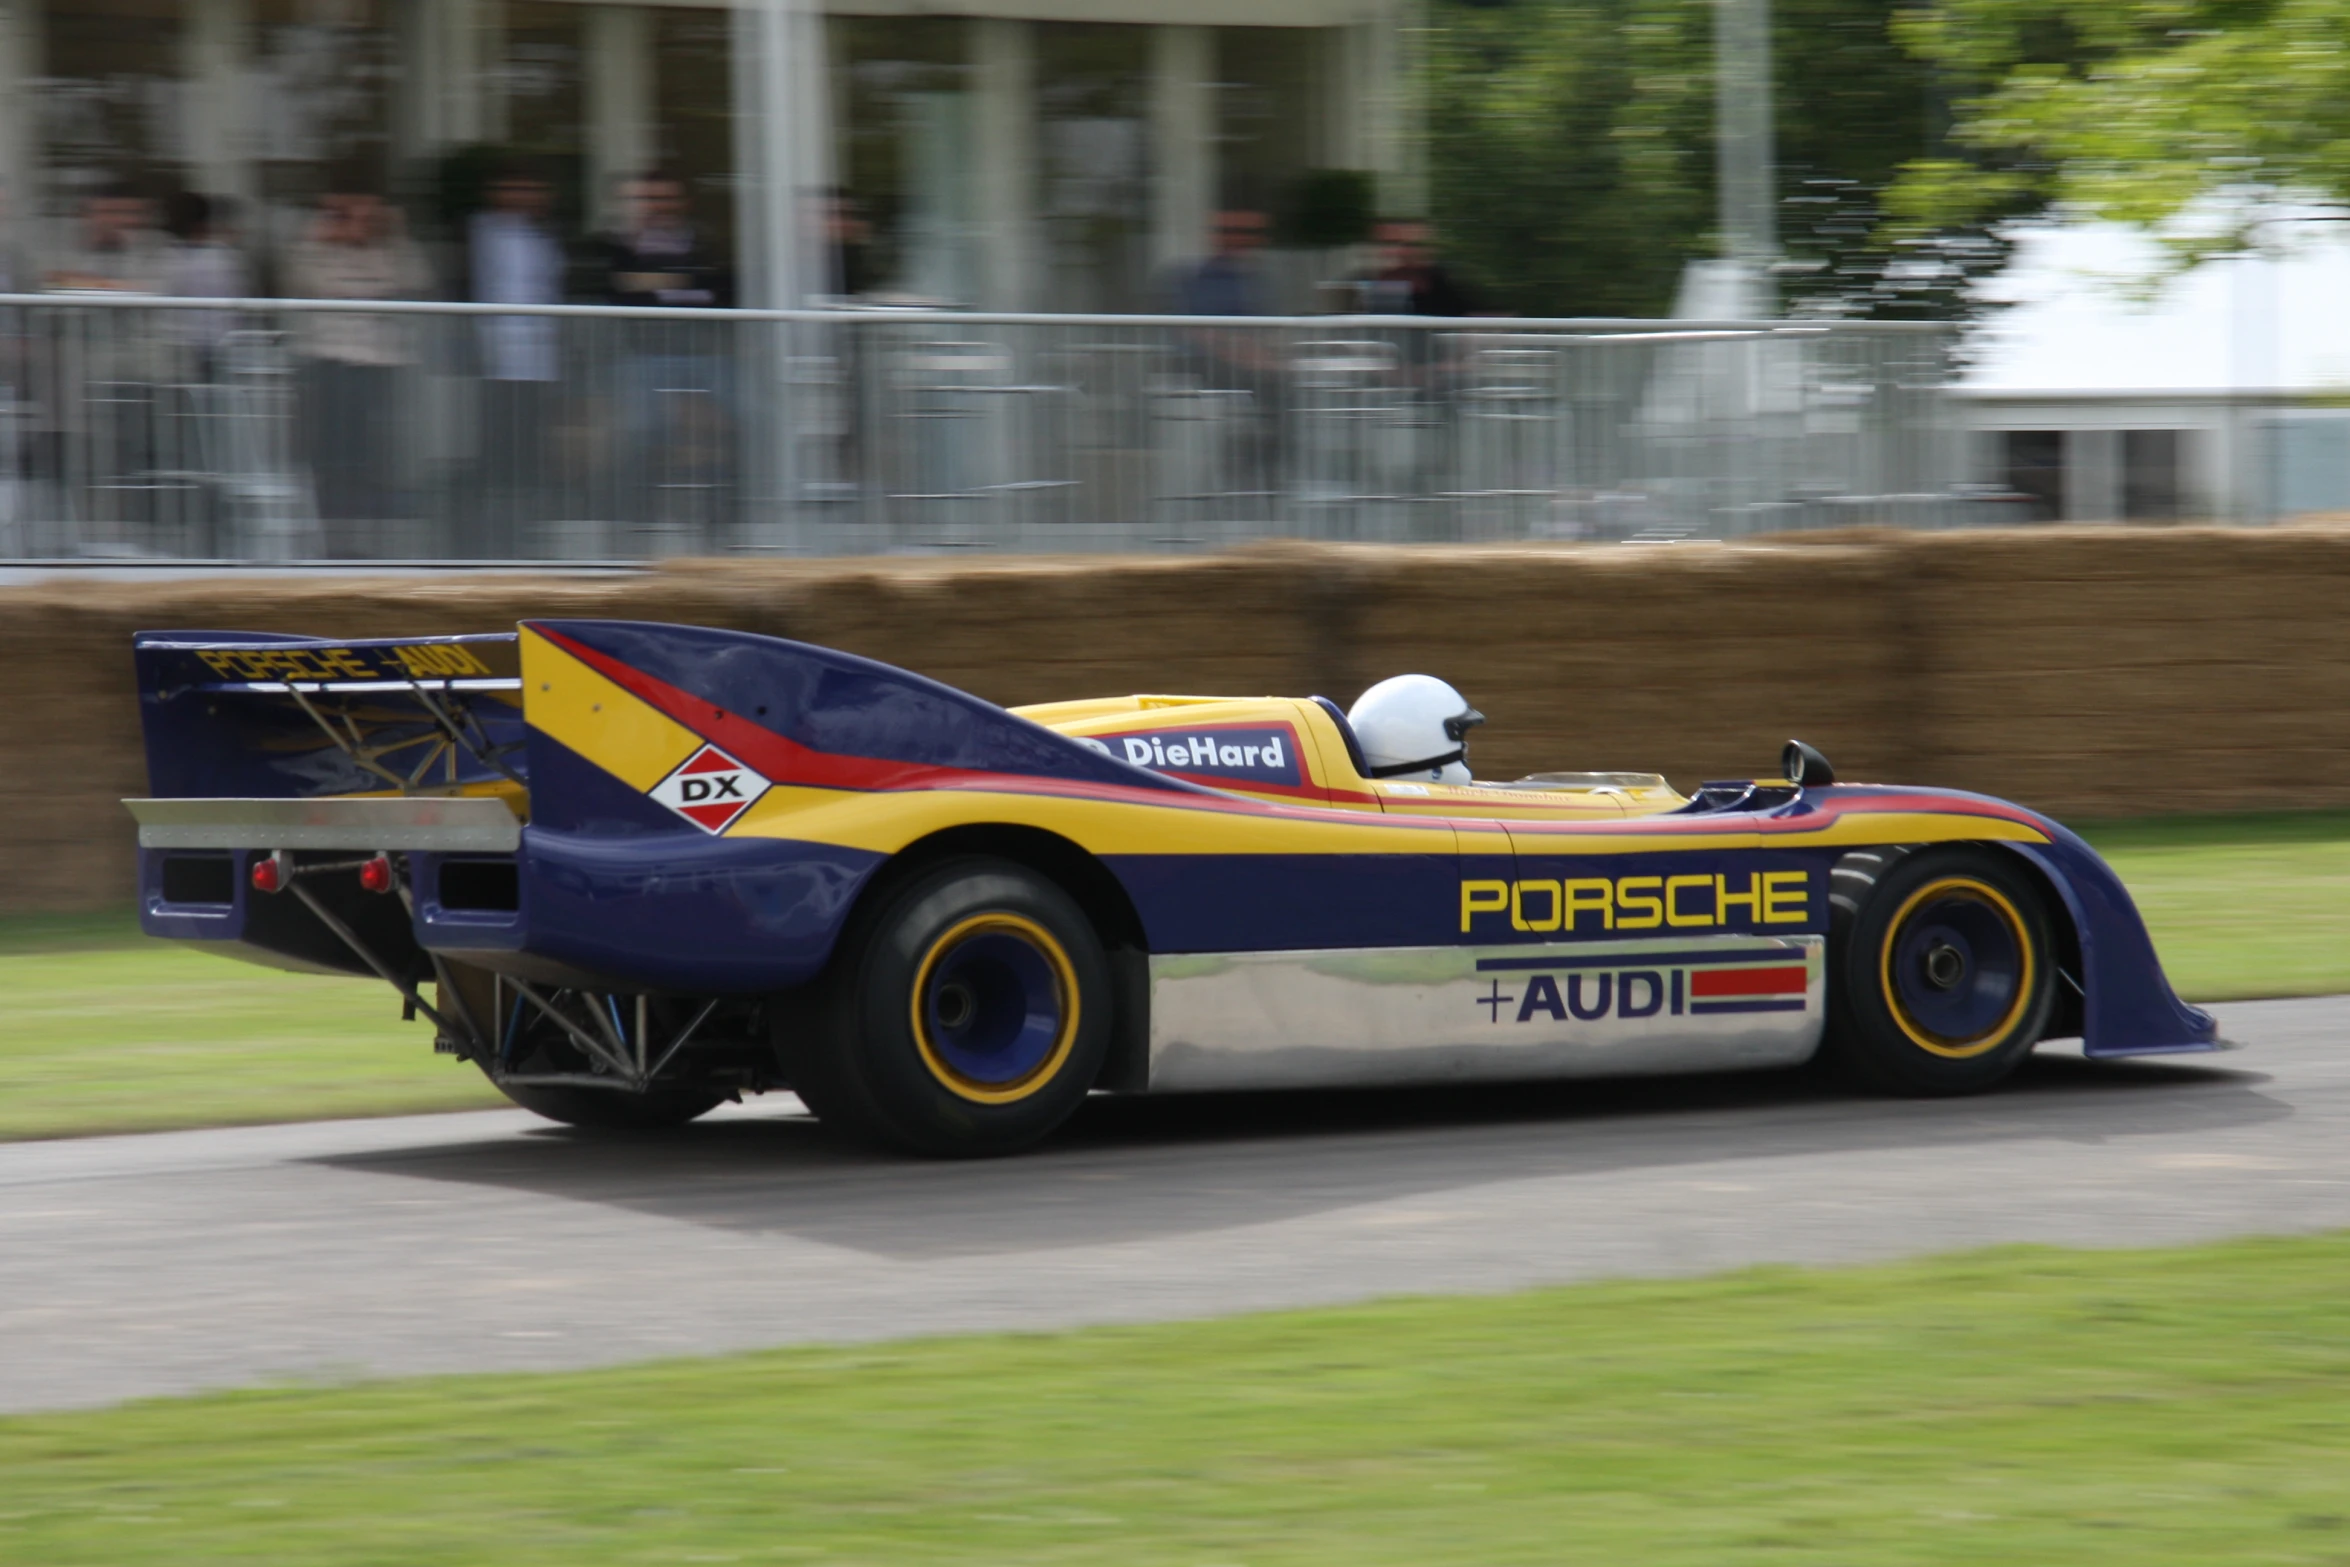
(1465, 1014)
(470, 824)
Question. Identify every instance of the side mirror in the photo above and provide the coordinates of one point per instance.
(1800, 764)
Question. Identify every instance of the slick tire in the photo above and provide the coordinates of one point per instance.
(609, 1110)
(1941, 969)
(967, 1014)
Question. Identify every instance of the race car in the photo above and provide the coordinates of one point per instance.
(632, 870)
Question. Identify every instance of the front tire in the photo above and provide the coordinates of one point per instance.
(1942, 969)
(969, 1014)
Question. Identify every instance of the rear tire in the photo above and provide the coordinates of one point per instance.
(967, 1013)
(614, 1110)
(1941, 969)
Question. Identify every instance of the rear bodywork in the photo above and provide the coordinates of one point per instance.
(692, 816)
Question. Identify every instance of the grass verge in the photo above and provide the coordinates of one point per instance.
(2182, 1406)
(110, 1032)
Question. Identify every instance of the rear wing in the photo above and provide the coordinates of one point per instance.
(253, 716)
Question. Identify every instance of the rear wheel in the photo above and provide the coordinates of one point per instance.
(968, 1014)
(1942, 976)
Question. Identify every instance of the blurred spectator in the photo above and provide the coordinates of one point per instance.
(115, 246)
(848, 238)
(516, 262)
(14, 277)
(1227, 283)
(657, 258)
(103, 387)
(1239, 368)
(202, 263)
(676, 419)
(15, 417)
(356, 248)
(1410, 280)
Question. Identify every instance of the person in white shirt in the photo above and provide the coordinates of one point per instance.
(201, 263)
(516, 262)
(357, 249)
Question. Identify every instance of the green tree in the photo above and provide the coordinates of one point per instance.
(2182, 116)
(1568, 143)
(1572, 147)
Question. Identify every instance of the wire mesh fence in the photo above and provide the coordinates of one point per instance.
(286, 430)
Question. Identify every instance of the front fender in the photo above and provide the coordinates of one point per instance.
(2128, 1007)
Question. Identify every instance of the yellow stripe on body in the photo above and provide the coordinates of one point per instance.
(886, 822)
(567, 701)
(1853, 829)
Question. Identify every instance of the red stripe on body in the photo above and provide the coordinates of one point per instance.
(786, 761)
(1712, 983)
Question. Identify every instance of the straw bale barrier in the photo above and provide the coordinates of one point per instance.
(2086, 671)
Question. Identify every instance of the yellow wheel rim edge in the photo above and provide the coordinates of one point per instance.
(1064, 977)
(1989, 1039)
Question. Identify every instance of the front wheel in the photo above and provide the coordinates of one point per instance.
(968, 1014)
(1942, 977)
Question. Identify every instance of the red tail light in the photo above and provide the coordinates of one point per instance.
(269, 875)
(376, 874)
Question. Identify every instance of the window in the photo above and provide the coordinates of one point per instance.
(903, 150)
(110, 99)
(2152, 485)
(1093, 96)
(1264, 114)
(546, 98)
(693, 107)
(2034, 469)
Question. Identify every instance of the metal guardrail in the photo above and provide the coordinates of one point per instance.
(310, 429)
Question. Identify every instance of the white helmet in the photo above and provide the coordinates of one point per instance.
(1414, 726)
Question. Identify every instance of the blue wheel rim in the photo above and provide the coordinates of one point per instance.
(994, 1008)
(1959, 967)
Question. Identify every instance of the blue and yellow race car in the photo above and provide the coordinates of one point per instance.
(632, 870)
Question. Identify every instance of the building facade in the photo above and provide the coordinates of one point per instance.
(1012, 155)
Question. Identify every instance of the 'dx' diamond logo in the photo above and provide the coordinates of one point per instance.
(710, 789)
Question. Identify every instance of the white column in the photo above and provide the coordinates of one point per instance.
(783, 151)
(451, 76)
(1382, 89)
(620, 101)
(1744, 162)
(1338, 84)
(216, 48)
(1183, 142)
(1004, 55)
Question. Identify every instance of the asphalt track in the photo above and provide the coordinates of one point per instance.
(135, 1266)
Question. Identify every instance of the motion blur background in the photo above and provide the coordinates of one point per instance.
(1150, 274)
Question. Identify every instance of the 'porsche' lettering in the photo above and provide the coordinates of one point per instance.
(1675, 912)
(1485, 897)
(408, 661)
(1587, 904)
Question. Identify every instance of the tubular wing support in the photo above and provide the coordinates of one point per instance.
(625, 1047)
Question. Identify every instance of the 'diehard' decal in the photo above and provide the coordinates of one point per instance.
(710, 789)
(1260, 756)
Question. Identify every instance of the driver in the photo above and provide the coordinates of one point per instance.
(1416, 727)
